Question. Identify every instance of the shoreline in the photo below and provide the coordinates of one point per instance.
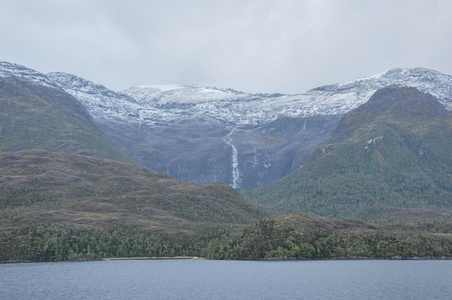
(152, 258)
(231, 259)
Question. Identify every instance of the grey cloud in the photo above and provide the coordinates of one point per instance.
(257, 46)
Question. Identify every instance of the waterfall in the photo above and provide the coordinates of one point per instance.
(235, 160)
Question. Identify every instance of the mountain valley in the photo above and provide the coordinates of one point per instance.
(152, 171)
(207, 135)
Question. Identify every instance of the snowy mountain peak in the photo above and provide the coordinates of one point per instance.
(11, 70)
(243, 109)
(70, 81)
(426, 80)
(360, 90)
(158, 104)
(188, 94)
(161, 87)
(102, 103)
(208, 134)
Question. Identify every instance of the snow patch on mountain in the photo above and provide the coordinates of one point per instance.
(427, 81)
(208, 134)
(102, 103)
(169, 104)
(11, 70)
(158, 104)
(234, 108)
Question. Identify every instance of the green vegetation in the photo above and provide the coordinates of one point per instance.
(393, 153)
(67, 194)
(39, 117)
(59, 206)
(35, 179)
(301, 236)
(57, 242)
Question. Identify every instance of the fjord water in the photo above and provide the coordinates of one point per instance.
(208, 279)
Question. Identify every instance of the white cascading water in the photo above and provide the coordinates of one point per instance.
(235, 161)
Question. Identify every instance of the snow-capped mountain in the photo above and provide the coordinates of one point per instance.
(167, 103)
(102, 103)
(12, 70)
(37, 114)
(207, 134)
(357, 92)
(173, 103)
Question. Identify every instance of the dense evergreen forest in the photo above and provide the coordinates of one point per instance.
(310, 237)
(297, 236)
(60, 242)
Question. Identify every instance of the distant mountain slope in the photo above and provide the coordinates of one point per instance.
(63, 202)
(36, 114)
(247, 140)
(118, 124)
(65, 194)
(177, 103)
(37, 179)
(392, 153)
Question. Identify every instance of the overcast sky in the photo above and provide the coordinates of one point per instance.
(253, 46)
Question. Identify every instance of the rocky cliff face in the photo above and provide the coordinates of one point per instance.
(247, 140)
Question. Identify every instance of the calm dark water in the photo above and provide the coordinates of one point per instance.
(208, 279)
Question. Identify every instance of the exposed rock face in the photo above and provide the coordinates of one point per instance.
(247, 140)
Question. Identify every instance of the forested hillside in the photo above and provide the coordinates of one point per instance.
(67, 193)
(392, 154)
(34, 114)
(56, 206)
(302, 236)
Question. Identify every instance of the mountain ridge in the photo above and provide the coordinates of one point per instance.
(269, 135)
(424, 79)
(325, 100)
(67, 193)
(246, 140)
(34, 113)
(392, 155)
(386, 101)
(67, 205)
